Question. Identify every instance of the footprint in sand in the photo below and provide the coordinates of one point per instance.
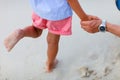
(107, 71)
(85, 72)
(97, 78)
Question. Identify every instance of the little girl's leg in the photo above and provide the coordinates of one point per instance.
(53, 43)
(15, 36)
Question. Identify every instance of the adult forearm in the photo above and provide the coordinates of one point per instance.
(78, 9)
(113, 28)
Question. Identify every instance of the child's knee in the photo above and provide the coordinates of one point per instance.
(53, 39)
(38, 32)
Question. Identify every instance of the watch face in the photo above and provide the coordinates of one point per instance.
(102, 28)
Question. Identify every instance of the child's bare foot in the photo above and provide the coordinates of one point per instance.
(50, 67)
(13, 38)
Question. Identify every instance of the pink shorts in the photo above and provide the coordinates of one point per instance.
(60, 27)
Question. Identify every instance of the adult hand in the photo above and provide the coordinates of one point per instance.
(91, 26)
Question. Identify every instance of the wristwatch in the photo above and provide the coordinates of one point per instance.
(102, 27)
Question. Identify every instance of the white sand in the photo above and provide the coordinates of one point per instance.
(99, 53)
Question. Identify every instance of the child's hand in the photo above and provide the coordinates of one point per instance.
(92, 25)
(91, 17)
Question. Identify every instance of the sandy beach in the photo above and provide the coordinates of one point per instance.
(82, 56)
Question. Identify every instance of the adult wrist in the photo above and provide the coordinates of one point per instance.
(110, 27)
(102, 27)
(107, 26)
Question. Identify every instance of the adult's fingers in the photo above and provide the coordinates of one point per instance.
(88, 29)
(85, 23)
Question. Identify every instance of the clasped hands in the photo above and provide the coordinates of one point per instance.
(92, 24)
